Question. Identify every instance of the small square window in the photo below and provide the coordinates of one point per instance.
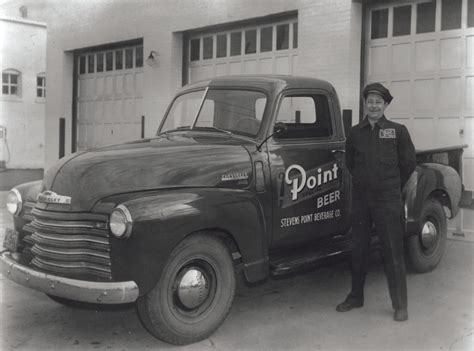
(4, 78)
(195, 49)
(295, 35)
(139, 56)
(90, 63)
(82, 65)
(401, 20)
(5, 89)
(425, 17)
(451, 14)
(266, 39)
(39, 93)
(13, 79)
(109, 61)
(251, 41)
(236, 44)
(207, 48)
(100, 62)
(119, 59)
(379, 24)
(470, 13)
(283, 37)
(221, 45)
(13, 90)
(129, 58)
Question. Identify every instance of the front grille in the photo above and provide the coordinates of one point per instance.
(74, 245)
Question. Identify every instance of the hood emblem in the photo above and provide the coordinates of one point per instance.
(50, 197)
(235, 176)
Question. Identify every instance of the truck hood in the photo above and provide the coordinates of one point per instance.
(178, 160)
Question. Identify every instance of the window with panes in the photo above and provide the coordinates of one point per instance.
(111, 60)
(262, 39)
(451, 17)
(11, 82)
(41, 85)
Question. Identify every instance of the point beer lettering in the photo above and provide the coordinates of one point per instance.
(298, 183)
(328, 199)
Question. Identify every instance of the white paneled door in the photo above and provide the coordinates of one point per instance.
(109, 96)
(423, 51)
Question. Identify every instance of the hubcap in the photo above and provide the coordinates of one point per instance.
(429, 234)
(193, 288)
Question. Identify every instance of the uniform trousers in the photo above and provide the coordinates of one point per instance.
(383, 209)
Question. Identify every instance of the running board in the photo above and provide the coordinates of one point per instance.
(296, 262)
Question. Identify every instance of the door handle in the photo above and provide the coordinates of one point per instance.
(335, 151)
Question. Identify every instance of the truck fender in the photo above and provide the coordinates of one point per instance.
(161, 220)
(430, 180)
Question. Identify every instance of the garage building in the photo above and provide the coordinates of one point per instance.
(112, 67)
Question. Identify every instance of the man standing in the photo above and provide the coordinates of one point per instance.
(381, 157)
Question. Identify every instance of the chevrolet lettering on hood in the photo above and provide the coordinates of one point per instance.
(235, 176)
(50, 197)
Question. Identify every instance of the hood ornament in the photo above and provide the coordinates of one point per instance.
(50, 197)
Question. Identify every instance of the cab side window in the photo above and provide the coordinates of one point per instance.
(306, 116)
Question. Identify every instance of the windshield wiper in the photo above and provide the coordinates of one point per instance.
(217, 129)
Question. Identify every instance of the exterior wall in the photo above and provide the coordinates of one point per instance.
(23, 48)
(329, 46)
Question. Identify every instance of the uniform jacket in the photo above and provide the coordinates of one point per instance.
(382, 158)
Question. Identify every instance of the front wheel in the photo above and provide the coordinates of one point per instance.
(194, 294)
(426, 248)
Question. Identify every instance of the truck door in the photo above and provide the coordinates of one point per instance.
(307, 170)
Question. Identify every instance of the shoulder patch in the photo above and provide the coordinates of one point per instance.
(388, 133)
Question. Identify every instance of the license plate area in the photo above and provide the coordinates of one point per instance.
(12, 240)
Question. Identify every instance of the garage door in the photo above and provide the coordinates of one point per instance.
(109, 96)
(423, 51)
(269, 48)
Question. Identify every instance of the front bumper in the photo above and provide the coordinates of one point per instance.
(73, 289)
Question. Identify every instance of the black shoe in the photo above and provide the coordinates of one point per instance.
(348, 305)
(400, 315)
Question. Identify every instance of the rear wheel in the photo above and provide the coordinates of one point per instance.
(194, 294)
(426, 248)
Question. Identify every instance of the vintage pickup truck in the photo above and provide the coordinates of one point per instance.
(245, 175)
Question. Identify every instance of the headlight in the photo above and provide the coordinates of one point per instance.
(14, 202)
(120, 222)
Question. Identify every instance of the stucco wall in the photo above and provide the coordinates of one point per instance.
(329, 46)
(23, 48)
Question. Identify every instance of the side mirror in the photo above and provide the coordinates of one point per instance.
(280, 130)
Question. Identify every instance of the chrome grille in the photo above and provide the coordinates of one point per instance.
(69, 244)
(27, 208)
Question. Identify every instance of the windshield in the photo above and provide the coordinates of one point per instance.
(235, 111)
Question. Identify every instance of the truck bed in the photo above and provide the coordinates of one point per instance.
(449, 156)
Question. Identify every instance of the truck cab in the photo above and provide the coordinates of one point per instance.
(246, 174)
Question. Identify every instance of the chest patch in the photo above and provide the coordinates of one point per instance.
(388, 133)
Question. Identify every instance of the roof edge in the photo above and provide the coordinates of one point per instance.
(22, 21)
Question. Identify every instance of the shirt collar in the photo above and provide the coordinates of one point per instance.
(382, 123)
